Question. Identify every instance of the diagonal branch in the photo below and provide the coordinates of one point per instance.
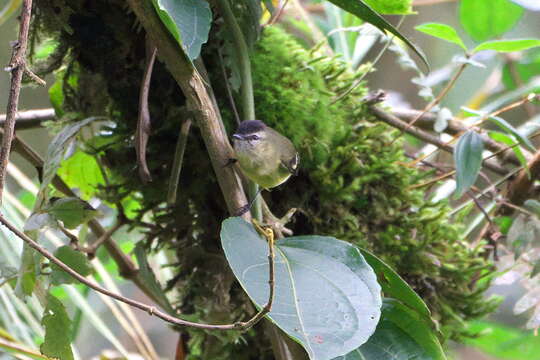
(139, 305)
(199, 101)
(427, 137)
(16, 67)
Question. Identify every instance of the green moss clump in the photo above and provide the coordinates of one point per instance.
(352, 184)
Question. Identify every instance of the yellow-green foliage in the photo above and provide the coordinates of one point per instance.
(353, 185)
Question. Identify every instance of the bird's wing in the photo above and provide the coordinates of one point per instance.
(291, 164)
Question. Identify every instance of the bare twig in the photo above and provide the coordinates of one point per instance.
(91, 250)
(16, 67)
(438, 99)
(143, 123)
(139, 305)
(422, 135)
(30, 119)
(178, 160)
(454, 127)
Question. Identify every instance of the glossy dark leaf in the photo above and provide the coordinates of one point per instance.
(327, 297)
(366, 13)
(394, 286)
(401, 335)
(468, 160)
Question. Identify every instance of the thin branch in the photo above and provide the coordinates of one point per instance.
(358, 81)
(91, 250)
(422, 135)
(16, 67)
(30, 119)
(427, 120)
(4, 344)
(438, 99)
(143, 122)
(178, 160)
(139, 305)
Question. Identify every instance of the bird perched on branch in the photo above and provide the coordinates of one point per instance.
(265, 156)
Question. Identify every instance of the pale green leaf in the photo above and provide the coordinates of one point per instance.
(327, 297)
(507, 140)
(391, 7)
(468, 160)
(57, 343)
(508, 45)
(486, 19)
(82, 171)
(442, 31)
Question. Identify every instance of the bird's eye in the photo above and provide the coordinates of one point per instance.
(255, 137)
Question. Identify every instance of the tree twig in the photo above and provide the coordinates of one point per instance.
(438, 99)
(30, 119)
(143, 122)
(422, 135)
(139, 305)
(427, 120)
(16, 67)
(91, 250)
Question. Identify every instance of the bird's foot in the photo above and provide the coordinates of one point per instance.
(278, 224)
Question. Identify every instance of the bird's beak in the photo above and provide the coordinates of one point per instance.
(238, 137)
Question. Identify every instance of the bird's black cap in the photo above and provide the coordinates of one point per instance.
(250, 127)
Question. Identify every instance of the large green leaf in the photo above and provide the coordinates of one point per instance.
(366, 13)
(442, 31)
(57, 330)
(394, 286)
(401, 335)
(327, 297)
(468, 159)
(188, 21)
(508, 45)
(486, 19)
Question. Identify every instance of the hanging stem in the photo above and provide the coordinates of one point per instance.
(248, 102)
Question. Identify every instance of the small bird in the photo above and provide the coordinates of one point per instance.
(265, 156)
